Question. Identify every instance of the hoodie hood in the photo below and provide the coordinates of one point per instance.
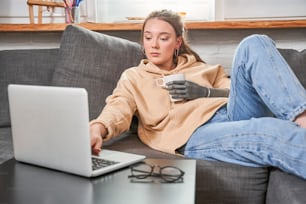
(185, 61)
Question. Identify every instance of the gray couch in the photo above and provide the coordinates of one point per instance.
(95, 61)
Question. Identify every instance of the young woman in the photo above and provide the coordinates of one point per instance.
(262, 122)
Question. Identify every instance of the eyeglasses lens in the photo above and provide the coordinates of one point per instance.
(171, 174)
(142, 171)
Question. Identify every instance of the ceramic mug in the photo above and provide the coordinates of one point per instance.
(169, 78)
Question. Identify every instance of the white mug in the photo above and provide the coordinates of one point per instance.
(169, 78)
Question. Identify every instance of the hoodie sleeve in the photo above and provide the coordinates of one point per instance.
(117, 114)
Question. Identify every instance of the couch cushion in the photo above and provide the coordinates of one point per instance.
(297, 61)
(284, 188)
(95, 62)
(6, 144)
(23, 67)
(219, 182)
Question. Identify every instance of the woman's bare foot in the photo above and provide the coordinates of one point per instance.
(301, 120)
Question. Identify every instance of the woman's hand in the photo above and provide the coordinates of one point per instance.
(186, 90)
(97, 132)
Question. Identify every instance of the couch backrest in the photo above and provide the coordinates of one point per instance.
(297, 61)
(95, 62)
(24, 67)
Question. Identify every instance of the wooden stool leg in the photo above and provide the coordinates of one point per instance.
(40, 10)
(31, 14)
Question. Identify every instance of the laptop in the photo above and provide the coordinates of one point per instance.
(50, 128)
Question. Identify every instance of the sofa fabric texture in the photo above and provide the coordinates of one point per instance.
(284, 188)
(25, 67)
(297, 61)
(95, 61)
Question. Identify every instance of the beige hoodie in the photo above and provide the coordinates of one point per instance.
(163, 125)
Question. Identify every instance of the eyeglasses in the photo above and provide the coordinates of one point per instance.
(169, 174)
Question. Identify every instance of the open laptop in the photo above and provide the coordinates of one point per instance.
(50, 128)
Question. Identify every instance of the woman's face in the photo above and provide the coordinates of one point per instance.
(160, 42)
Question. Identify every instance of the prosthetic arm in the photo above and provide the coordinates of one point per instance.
(189, 90)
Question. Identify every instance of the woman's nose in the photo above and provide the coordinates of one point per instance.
(154, 44)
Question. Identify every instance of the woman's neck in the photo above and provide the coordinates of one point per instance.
(168, 67)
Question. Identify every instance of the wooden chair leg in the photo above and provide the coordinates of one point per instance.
(31, 14)
(40, 11)
(41, 3)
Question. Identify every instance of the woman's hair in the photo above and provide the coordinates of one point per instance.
(175, 20)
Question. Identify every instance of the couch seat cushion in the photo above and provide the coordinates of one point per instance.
(284, 188)
(6, 144)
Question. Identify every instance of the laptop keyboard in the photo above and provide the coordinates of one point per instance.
(98, 163)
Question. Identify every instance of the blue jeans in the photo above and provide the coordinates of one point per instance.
(255, 128)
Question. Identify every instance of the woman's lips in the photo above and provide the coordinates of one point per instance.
(154, 54)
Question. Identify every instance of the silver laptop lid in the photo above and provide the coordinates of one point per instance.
(50, 127)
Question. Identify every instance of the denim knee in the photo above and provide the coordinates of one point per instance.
(256, 39)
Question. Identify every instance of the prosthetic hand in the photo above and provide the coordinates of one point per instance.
(187, 90)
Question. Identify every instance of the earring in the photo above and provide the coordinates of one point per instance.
(143, 51)
(176, 52)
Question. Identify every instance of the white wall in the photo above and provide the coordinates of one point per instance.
(264, 9)
(116, 10)
(16, 11)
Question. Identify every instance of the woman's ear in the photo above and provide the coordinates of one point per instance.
(179, 41)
